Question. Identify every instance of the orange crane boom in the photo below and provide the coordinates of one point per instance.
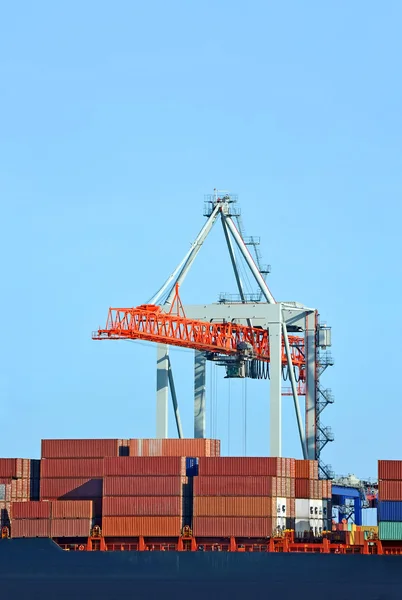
(150, 323)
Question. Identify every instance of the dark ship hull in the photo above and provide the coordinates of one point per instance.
(38, 569)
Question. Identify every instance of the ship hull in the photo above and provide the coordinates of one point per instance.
(39, 569)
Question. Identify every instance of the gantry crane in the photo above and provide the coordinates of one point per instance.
(251, 336)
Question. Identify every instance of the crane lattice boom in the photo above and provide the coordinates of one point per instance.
(150, 323)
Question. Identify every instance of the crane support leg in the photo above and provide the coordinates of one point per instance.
(300, 426)
(174, 401)
(199, 394)
(162, 391)
(275, 344)
(311, 377)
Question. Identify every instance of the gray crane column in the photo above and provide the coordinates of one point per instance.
(199, 394)
(311, 382)
(275, 395)
(162, 390)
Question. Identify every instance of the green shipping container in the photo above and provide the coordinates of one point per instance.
(390, 530)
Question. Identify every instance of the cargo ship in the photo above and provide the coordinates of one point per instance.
(121, 515)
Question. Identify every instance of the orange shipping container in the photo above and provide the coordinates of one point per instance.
(390, 490)
(71, 467)
(30, 528)
(223, 466)
(256, 527)
(143, 486)
(306, 469)
(70, 489)
(126, 506)
(31, 510)
(72, 528)
(174, 447)
(390, 469)
(72, 509)
(147, 526)
(236, 506)
(145, 465)
(79, 448)
(232, 486)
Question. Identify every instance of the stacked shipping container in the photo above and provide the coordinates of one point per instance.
(390, 500)
(144, 496)
(57, 519)
(153, 488)
(254, 497)
(19, 480)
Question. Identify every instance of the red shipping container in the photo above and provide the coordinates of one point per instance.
(31, 510)
(389, 490)
(72, 528)
(72, 509)
(143, 486)
(71, 467)
(237, 466)
(306, 469)
(131, 506)
(11, 467)
(390, 469)
(70, 489)
(145, 465)
(174, 447)
(30, 528)
(302, 488)
(232, 486)
(79, 448)
(247, 527)
(146, 526)
(232, 506)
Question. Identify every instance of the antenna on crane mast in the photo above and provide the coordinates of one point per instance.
(250, 335)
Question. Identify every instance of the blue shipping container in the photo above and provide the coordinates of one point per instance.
(191, 467)
(389, 511)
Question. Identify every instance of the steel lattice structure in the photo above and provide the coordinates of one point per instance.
(241, 335)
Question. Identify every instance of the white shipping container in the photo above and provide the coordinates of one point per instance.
(302, 509)
(279, 507)
(317, 526)
(316, 509)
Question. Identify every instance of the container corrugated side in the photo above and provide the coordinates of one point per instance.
(79, 448)
(30, 528)
(389, 490)
(69, 489)
(131, 506)
(146, 526)
(173, 447)
(390, 469)
(390, 530)
(390, 510)
(143, 486)
(232, 486)
(70, 528)
(256, 527)
(236, 506)
(31, 510)
(306, 469)
(249, 466)
(72, 509)
(71, 467)
(145, 465)
(11, 467)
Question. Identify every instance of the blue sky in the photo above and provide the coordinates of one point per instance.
(114, 123)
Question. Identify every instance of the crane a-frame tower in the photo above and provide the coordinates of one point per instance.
(249, 335)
